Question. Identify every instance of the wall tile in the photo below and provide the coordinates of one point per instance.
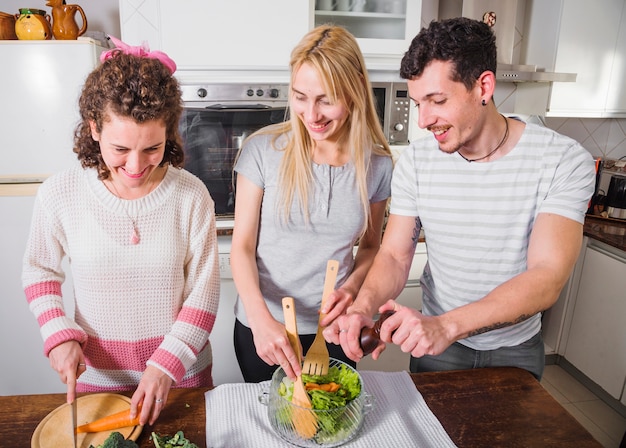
(602, 137)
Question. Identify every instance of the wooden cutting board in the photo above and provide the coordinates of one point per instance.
(54, 431)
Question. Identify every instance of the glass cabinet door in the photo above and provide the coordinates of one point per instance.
(380, 26)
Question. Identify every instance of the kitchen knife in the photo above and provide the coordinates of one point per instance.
(74, 412)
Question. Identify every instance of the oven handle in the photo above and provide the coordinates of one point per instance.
(239, 107)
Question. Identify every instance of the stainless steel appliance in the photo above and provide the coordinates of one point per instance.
(609, 199)
(218, 117)
(393, 108)
(616, 197)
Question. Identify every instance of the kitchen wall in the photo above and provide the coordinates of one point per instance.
(102, 15)
(602, 137)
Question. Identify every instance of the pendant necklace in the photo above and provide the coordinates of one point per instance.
(134, 237)
(506, 135)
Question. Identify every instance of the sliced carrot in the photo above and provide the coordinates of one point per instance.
(327, 387)
(114, 421)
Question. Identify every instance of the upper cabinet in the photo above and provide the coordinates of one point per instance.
(204, 35)
(575, 37)
(212, 35)
(383, 28)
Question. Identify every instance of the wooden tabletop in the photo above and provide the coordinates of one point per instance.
(495, 407)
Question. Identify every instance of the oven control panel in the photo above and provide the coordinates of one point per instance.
(235, 92)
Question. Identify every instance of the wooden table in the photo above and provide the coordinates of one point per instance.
(495, 407)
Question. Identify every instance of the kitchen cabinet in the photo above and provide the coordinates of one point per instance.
(591, 42)
(383, 28)
(596, 340)
(202, 35)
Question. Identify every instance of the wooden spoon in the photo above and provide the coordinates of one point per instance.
(304, 421)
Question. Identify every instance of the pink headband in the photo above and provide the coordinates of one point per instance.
(142, 51)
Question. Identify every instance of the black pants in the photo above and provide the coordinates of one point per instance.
(254, 369)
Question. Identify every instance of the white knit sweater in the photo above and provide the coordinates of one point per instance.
(151, 303)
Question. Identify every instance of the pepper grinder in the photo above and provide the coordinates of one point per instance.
(371, 336)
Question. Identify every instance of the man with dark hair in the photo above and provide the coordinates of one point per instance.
(501, 204)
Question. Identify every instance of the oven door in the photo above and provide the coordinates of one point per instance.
(211, 138)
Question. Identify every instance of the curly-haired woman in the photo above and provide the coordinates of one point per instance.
(139, 234)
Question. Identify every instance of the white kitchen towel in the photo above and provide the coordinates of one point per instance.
(399, 418)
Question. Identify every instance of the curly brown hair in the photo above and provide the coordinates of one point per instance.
(138, 87)
(469, 44)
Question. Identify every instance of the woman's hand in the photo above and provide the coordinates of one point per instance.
(68, 360)
(151, 393)
(273, 347)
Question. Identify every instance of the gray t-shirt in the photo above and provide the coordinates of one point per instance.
(291, 257)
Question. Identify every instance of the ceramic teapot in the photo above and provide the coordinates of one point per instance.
(64, 26)
(33, 24)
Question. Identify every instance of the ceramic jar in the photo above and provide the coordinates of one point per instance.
(7, 26)
(33, 24)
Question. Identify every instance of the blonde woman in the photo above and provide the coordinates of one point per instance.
(308, 190)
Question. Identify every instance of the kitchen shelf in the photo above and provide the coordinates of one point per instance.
(366, 25)
(360, 15)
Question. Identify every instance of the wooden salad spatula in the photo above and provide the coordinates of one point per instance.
(317, 360)
(304, 421)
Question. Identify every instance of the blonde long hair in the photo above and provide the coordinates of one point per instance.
(336, 56)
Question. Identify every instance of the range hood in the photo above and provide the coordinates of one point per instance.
(530, 73)
(507, 19)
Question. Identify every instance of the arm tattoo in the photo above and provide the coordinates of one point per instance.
(498, 325)
(416, 232)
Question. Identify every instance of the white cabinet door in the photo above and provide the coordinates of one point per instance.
(587, 44)
(211, 34)
(596, 344)
(616, 98)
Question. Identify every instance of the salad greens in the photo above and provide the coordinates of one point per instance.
(334, 424)
(177, 440)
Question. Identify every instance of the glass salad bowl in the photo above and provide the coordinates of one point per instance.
(341, 417)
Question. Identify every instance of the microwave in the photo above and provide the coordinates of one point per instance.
(217, 117)
(393, 108)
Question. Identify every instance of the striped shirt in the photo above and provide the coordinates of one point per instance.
(477, 217)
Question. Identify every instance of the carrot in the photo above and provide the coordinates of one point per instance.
(113, 421)
(327, 387)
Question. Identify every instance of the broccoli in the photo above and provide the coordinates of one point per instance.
(116, 440)
(178, 440)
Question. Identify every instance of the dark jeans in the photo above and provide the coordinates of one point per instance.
(529, 355)
(255, 370)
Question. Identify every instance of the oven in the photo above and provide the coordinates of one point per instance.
(217, 117)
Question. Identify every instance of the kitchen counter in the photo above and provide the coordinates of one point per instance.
(478, 408)
(609, 231)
